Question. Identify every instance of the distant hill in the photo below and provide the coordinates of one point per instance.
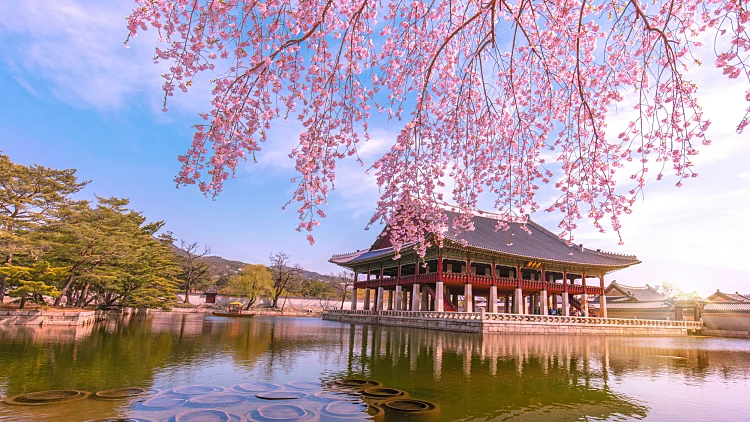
(219, 266)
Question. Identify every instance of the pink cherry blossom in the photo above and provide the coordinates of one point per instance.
(481, 90)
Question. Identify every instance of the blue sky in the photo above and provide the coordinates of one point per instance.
(72, 96)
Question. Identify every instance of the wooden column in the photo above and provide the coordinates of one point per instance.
(602, 299)
(565, 298)
(584, 296)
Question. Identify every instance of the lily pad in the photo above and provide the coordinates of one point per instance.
(196, 390)
(305, 385)
(217, 399)
(282, 412)
(206, 415)
(345, 409)
(163, 401)
(409, 406)
(281, 395)
(47, 397)
(122, 393)
(384, 393)
(357, 383)
(255, 387)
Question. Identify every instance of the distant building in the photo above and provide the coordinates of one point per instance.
(637, 302)
(728, 312)
(728, 297)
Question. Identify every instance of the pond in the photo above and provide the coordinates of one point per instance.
(185, 367)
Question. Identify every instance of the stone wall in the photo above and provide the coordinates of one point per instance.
(37, 317)
(486, 323)
(302, 303)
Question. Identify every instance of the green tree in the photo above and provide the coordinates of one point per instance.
(30, 196)
(112, 255)
(252, 282)
(32, 281)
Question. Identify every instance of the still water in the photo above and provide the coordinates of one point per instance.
(467, 376)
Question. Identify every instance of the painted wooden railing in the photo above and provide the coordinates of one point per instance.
(486, 316)
(480, 280)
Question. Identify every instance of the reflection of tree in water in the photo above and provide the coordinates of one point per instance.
(492, 377)
(124, 352)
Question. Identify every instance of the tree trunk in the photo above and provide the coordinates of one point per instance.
(65, 288)
(187, 293)
(82, 296)
(23, 302)
(284, 304)
(3, 286)
(343, 298)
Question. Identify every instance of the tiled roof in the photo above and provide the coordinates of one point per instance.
(732, 297)
(641, 294)
(534, 243)
(360, 256)
(727, 308)
(656, 304)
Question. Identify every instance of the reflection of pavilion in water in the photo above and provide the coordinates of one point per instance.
(502, 374)
(493, 375)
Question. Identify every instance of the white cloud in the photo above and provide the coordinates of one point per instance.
(76, 46)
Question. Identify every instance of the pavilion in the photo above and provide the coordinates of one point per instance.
(521, 270)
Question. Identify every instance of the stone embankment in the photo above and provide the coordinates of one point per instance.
(486, 323)
(50, 317)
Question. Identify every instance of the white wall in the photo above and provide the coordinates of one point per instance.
(291, 302)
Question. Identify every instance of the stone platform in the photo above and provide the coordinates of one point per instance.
(486, 323)
(37, 317)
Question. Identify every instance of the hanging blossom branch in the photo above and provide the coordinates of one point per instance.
(497, 97)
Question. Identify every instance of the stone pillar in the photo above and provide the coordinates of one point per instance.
(584, 297)
(518, 301)
(468, 298)
(439, 292)
(493, 299)
(379, 299)
(565, 304)
(415, 297)
(367, 299)
(603, 298)
(544, 303)
(404, 300)
(390, 299)
(354, 299)
(398, 298)
(506, 304)
(425, 300)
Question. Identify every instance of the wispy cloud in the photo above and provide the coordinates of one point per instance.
(74, 49)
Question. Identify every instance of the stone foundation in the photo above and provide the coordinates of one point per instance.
(483, 323)
(37, 317)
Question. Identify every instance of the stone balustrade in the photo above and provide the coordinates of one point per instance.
(485, 322)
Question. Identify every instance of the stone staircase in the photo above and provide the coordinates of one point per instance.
(447, 305)
(575, 303)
